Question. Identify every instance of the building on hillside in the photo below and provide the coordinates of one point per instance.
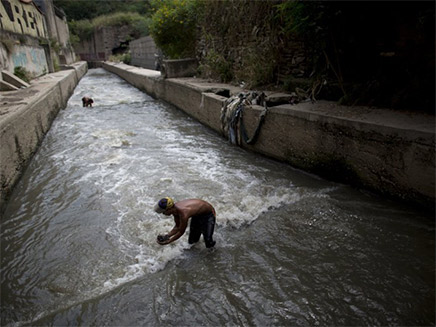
(22, 17)
(34, 35)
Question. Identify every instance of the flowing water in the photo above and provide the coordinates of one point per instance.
(78, 235)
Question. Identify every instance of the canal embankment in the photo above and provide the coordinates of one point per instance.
(385, 151)
(25, 117)
(389, 152)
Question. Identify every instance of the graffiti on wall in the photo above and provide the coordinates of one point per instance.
(21, 17)
(33, 59)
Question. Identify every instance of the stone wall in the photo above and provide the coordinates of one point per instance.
(179, 67)
(236, 36)
(370, 53)
(144, 53)
(104, 42)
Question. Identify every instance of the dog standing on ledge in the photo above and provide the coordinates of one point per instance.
(87, 102)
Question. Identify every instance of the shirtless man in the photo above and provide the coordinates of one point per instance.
(202, 222)
(87, 102)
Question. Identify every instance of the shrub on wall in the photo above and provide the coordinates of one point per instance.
(23, 73)
(84, 29)
(237, 41)
(173, 27)
(215, 66)
(255, 74)
(80, 30)
(386, 63)
(123, 57)
(138, 22)
(312, 21)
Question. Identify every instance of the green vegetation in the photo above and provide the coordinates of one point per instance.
(84, 29)
(313, 22)
(171, 22)
(258, 67)
(215, 66)
(358, 53)
(237, 42)
(80, 30)
(89, 9)
(137, 21)
(55, 45)
(124, 57)
(23, 73)
(173, 26)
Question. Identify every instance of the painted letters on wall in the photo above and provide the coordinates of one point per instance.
(22, 17)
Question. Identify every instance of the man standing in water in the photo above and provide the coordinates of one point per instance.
(202, 216)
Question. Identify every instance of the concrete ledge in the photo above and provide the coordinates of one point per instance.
(13, 80)
(385, 151)
(5, 86)
(25, 117)
(180, 67)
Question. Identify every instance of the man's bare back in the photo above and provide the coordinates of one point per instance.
(201, 212)
(193, 207)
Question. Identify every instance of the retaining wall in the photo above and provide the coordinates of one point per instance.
(25, 117)
(143, 53)
(388, 152)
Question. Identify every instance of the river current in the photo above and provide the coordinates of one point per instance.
(78, 237)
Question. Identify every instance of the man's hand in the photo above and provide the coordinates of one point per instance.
(162, 239)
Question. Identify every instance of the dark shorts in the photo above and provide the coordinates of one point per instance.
(202, 224)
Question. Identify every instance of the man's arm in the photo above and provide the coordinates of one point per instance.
(176, 226)
(177, 231)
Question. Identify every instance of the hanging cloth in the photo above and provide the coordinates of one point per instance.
(232, 123)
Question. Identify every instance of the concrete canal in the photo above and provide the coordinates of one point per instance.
(78, 235)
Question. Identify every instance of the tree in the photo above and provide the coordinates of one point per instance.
(173, 27)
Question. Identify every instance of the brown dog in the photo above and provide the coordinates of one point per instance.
(87, 102)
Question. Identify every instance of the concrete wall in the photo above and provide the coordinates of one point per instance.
(144, 53)
(389, 152)
(57, 28)
(31, 57)
(22, 18)
(6, 62)
(23, 124)
(66, 53)
(103, 43)
(23, 51)
(179, 67)
(33, 32)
